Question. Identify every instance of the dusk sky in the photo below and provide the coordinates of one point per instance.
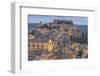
(46, 19)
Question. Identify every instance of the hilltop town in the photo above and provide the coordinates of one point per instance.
(59, 39)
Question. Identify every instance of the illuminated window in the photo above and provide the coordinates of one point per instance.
(42, 46)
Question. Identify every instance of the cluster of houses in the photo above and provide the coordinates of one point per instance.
(55, 36)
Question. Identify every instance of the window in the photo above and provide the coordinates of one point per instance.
(33, 45)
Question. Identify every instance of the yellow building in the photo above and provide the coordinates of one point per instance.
(46, 45)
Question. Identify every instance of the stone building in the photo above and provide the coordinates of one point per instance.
(56, 21)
